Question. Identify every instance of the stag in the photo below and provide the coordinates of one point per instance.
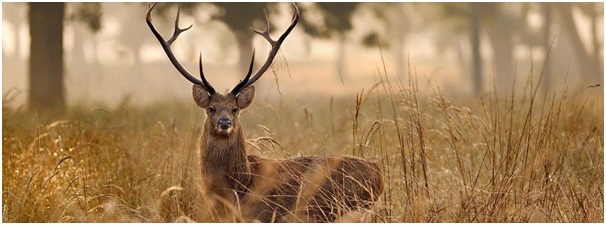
(310, 188)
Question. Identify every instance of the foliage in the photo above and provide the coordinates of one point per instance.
(336, 19)
(89, 13)
(239, 16)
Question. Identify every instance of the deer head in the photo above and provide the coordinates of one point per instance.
(223, 109)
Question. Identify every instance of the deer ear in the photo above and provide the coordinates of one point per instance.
(245, 97)
(201, 96)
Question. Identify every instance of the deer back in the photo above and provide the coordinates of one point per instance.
(311, 189)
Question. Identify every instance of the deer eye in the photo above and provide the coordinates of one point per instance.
(211, 110)
(234, 110)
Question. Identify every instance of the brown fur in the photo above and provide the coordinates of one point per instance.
(315, 188)
(303, 189)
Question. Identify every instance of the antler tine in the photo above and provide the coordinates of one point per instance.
(177, 29)
(275, 46)
(206, 85)
(265, 33)
(241, 84)
(169, 53)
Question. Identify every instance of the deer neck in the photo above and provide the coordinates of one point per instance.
(224, 161)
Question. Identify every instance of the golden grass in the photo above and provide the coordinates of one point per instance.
(527, 157)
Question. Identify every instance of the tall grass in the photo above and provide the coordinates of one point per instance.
(529, 157)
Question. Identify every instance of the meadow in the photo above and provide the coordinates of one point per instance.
(529, 156)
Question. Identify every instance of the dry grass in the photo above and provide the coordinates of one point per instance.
(528, 157)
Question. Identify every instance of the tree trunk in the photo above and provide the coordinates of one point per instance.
(245, 47)
(399, 48)
(341, 67)
(502, 50)
(461, 46)
(46, 57)
(587, 66)
(595, 40)
(399, 27)
(474, 19)
(547, 15)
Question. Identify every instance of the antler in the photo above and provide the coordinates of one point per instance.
(275, 46)
(166, 46)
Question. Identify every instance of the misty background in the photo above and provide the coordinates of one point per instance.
(111, 57)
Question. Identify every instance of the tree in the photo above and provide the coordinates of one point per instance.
(239, 17)
(590, 67)
(90, 15)
(464, 19)
(501, 25)
(396, 24)
(474, 21)
(505, 26)
(46, 64)
(547, 11)
(133, 32)
(336, 18)
(46, 90)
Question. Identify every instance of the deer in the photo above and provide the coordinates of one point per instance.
(307, 188)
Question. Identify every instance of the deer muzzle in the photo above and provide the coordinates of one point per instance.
(224, 123)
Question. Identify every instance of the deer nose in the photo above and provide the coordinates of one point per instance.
(224, 123)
